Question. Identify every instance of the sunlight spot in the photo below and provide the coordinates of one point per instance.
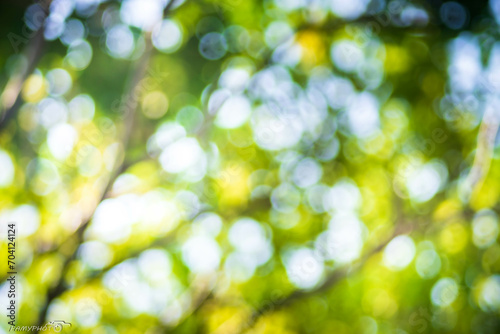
(248, 237)
(34, 16)
(303, 268)
(167, 36)
(201, 254)
(399, 253)
(59, 81)
(208, 223)
(349, 10)
(307, 173)
(424, 182)
(52, 112)
(465, 69)
(81, 108)
(495, 8)
(315, 195)
(489, 297)
(61, 139)
(112, 221)
(277, 33)
(155, 265)
(59, 309)
(339, 92)
(160, 214)
(7, 168)
(120, 41)
(346, 55)
(234, 79)
(184, 155)
(285, 198)
(53, 26)
(34, 88)
(64, 8)
(428, 264)
(142, 14)
(154, 104)
(343, 196)
(343, 241)
(213, 46)
(288, 54)
(485, 229)
(240, 266)
(88, 312)
(444, 292)
(233, 113)
(26, 216)
(168, 133)
(86, 7)
(363, 115)
(79, 54)
(188, 203)
(181, 155)
(73, 31)
(275, 127)
(95, 254)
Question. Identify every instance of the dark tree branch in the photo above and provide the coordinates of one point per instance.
(197, 305)
(77, 238)
(345, 272)
(11, 98)
(129, 115)
(332, 279)
(484, 152)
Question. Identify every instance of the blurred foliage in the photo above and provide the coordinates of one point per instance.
(231, 166)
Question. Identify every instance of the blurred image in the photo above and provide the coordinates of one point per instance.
(244, 166)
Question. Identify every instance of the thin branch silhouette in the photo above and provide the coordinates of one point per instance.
(77, 237)
(332, 279)
(11, 98)
(129, 115)
(484, 152)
